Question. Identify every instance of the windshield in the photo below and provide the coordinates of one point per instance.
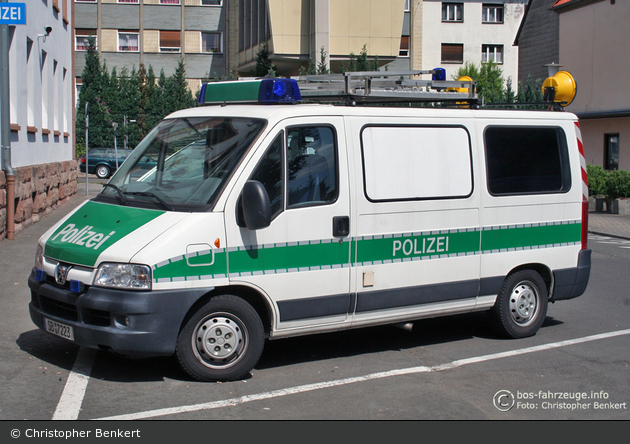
(183, 163)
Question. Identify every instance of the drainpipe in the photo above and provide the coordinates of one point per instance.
(5, 116)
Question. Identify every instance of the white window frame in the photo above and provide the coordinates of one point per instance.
(220, 45)
(489, 14)
(220, 3)
(128, 33)
(454, 10)
(85, 37)
(407, 5)
(492, 53)
(170, 2)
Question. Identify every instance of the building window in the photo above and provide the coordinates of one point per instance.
(211, 2)
(170, 41)
(611, 151)
(492, 53)
(452, 53)
(452, 12)
(210, 42)
(404, 46)
(407, 5)
(128, 41)
(492, 14)
(82, 37)
(85, 1)
(127, 1)
(169, 2)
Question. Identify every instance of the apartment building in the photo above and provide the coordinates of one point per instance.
(459, 31)
(296, 30)
(155, 33)
(39, 172)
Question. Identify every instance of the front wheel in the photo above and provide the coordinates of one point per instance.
(102, 171)
(222, 341)
(521, 305)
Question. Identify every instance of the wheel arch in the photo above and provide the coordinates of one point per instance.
(543, 270)
(252, 296)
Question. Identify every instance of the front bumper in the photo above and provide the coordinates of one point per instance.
(137, 323)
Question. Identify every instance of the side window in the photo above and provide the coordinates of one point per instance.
(269, 173)
(312, 166)
(526, 160)
(412, 163)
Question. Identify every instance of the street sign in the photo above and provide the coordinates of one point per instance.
(12, 13)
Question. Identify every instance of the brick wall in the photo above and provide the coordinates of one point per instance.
(39, 189)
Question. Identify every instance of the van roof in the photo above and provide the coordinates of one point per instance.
(279, 112)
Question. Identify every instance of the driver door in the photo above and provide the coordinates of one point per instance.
(301, 261)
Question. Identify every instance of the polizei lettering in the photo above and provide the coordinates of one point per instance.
(82, 236)
(420, 245)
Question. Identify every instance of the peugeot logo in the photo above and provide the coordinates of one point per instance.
(61, 273)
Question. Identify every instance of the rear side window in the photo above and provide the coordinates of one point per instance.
(526, 160)
(416, 162)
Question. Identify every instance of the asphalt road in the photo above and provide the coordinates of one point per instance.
(453, 368)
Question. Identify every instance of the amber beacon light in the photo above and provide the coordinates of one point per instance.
(561, 88)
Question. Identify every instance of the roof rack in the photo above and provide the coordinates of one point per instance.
(366, 87)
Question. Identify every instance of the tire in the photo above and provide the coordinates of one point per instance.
(102, 171)
(521, 305)
(222, 341)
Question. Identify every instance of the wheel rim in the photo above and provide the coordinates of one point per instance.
(524, 303)
(219, 340)
(102, 172)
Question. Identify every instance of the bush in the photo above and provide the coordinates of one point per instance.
(611, 184)
(596, 180)
(617, 184)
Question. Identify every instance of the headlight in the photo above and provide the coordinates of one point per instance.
(39, 257)
(131, 276)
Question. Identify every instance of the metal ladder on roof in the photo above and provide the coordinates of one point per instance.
(372, 87)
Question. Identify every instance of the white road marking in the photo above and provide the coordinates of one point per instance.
(71, 399)
(369, 377)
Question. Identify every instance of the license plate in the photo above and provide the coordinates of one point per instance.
(58, 329)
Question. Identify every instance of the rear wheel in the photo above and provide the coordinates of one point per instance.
(521, 305)
(102, 171)
(222, 341)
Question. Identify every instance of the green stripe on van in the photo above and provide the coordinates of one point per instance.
(371, 250)
(92, 229)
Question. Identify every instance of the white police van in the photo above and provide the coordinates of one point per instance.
(269, 221)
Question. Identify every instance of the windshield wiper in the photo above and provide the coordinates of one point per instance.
(148, 194)
(119, 193)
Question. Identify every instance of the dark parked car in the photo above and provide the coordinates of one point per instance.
(102, 161)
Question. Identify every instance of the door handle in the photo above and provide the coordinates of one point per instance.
(341, 226)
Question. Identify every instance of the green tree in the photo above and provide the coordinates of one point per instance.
(177, 95)
(489, 78)
(264, 66)
(90, 94)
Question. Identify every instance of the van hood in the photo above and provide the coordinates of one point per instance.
(94, 227)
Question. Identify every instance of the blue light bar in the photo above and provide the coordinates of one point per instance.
(439, 74)
(265, 91)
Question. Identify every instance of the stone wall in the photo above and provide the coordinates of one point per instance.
(39, 189)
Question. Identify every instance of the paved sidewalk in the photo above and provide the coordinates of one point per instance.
(616, 225)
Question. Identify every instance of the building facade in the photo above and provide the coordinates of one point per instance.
(41, 172)
(538, 40)
(592, 48)
(155, 33)
(295, 31)
(460, 31)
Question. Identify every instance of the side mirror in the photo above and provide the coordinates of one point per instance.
(255, 205)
